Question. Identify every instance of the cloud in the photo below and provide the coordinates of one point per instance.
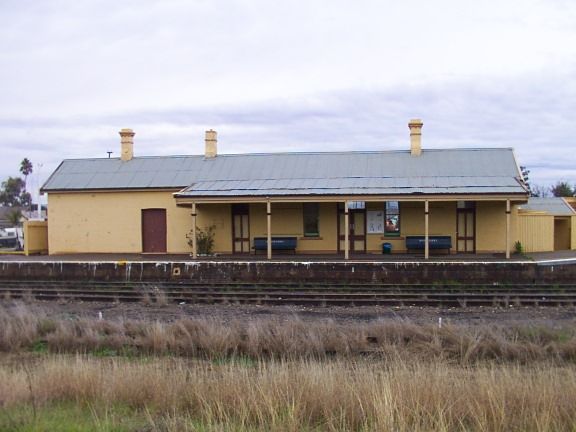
(532, 115)
(287, 76)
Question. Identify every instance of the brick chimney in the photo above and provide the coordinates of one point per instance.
(211, 142)
(415, 126)
(127, 144)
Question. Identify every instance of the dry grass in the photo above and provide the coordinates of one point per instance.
(305, 394)
(22, 329)
(288, 376)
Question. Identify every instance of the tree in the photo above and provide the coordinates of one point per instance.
(13, 193)
(562, 189)
(539, 191)
(26, 170)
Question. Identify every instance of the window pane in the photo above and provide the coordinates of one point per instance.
(392, 225)
(392, 207)
(466, 204)
(356, 205)
(311, 216)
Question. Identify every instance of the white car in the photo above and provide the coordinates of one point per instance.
(11, 238)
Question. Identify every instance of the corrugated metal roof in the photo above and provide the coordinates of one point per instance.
(351, 186)
(554, 206)
(388, 172)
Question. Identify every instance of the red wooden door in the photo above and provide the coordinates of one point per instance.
(154, 230)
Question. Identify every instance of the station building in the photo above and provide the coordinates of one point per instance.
(465, 200)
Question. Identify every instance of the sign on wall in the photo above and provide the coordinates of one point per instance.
(375, 221)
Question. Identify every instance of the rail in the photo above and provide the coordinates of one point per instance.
(454, 295)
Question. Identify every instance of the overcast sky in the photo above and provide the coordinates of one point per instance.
(287, 75)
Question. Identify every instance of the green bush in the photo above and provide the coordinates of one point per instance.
(204, 239)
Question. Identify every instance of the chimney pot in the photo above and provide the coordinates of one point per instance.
(415, 126)
(211, 150)
(127, 144)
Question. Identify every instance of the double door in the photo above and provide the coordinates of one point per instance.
(466, 228)
(240, 228)
(356, 230)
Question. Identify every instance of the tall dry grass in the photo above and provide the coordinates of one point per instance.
(335, 395)
(23, 329)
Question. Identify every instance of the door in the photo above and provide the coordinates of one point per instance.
(154, 230)
(562, 233)
(466, 227)
(240, 228)
(357, 230)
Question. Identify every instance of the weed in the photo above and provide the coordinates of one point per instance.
(160, 297)
(40, 346)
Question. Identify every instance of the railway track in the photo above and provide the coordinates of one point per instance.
(312, 294)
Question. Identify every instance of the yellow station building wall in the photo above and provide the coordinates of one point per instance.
(35, 237)
(536, 232)
(110, 222)
(288, 220)
(491, 226)
(441, 218)
(573, 233)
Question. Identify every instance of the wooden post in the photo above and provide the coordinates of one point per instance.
(346, 232)
(194, 245)
(426, 245)
(507, 229)
(269, 232)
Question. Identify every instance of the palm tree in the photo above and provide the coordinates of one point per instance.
(26, 170)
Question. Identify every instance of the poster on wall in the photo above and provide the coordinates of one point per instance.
(375, 220)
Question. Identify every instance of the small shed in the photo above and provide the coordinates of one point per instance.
(547, 224)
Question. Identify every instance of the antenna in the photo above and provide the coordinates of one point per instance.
(109, 153)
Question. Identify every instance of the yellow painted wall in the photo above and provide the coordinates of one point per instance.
(442, 221)
(573, 233)
(536, 232)
(219, 215)
(287, 220)
(35, 237)
(491, 226)
(110, 222)
(562, 233)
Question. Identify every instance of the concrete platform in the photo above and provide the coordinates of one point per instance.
(183, 258)
(557, 257)
(292, 269)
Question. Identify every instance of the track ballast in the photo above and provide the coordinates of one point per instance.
(284, 293)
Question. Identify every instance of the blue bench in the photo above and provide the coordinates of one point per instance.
(278, 244)
(434, 242)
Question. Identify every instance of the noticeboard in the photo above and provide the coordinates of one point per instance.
(375, 222)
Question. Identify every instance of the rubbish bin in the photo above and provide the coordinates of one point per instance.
(386, 248)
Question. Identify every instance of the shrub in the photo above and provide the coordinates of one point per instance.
(204, 239)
